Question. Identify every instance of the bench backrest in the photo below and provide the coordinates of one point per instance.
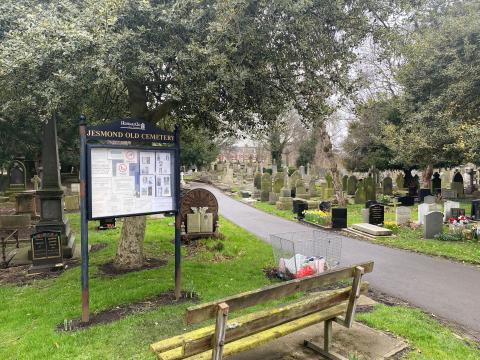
(247, 299)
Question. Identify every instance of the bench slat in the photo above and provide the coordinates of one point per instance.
(263, 337)
(207, 311)
(200, 340)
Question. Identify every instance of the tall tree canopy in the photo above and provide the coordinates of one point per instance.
(220, 65)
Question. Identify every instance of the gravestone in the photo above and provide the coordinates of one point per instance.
(422, 193)
(329, 180)
(433, 224)
(312, 188)
(257, 180)
(71, 202)
(198, 214)
(46, 248)
(285, 201)
(301, 191)
(447, 207)
(278, 182)
(266, 187)
(436, 183)
(302, 172)
(376, 214)
(387, 185)
(457, 212)
(406, 200)
(293, 182)
(457, 184)
(475, 213)
(36, 181)
(16, 179)
(52, 213)
(429, 199)
(360, 197)
(274, 168)
(339, 218)
(107, 224)
(449, 193)
(370, 203)
(25, 204)
(345, 183)
(400, 181)
(423, 209)
(352, 185)
(299, 206)
(325, 206)
(403, 215)
(365, 215)
(370, 189)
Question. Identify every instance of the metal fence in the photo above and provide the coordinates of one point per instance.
(292, 251)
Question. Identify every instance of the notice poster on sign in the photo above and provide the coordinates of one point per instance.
(125, 182)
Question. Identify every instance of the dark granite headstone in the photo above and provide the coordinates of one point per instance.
(370, 203)
(299, 206)
(339, 218)
(436, 183)
(456, 212)
(422, 193)
(376, 214)
(107, 224)
(406, 200)
(476, 209)
(46, 248)
(325, 205)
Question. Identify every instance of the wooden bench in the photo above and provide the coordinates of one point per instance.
(248, 331)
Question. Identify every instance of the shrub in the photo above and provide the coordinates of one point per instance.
(449, 237)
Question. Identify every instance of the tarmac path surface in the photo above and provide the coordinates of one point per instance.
(439, 286)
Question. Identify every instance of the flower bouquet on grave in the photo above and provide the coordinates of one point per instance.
(458, 225)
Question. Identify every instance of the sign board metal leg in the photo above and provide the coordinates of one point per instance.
(84, 221)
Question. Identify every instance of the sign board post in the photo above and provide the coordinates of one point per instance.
(127, 180)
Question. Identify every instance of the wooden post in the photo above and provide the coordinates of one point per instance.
(352, 301)
(220, 327)
(327, 335)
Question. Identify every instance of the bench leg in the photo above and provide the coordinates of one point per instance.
(327, 341)
(220, 327)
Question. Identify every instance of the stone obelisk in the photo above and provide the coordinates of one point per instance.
(52, 215)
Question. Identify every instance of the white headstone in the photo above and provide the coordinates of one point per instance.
(424, 209)
(403, 215)
(447, 207)
(75, 188)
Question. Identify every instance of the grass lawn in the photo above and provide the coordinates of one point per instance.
(426, 336)
(30, 313)
(406, 238)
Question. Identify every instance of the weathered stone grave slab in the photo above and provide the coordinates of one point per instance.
(433, 224)
(403, 215)
(372, 229)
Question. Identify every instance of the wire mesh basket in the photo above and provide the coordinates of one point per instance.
(305, 253)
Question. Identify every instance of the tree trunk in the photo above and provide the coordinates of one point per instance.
(427, 177)
(130, 248)
(327, 148)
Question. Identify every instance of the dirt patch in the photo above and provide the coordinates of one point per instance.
(271, 273)
(109, 270)
(98, 247)
(383, 298)
(19, 276)
(121, 311)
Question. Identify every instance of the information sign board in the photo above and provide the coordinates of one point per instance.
(129, 181)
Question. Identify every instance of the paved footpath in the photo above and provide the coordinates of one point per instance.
(445, 288)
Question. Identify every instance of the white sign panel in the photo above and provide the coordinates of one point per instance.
(127, 182)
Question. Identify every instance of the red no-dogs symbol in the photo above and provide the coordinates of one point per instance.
(130, 155)
(122, 169)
